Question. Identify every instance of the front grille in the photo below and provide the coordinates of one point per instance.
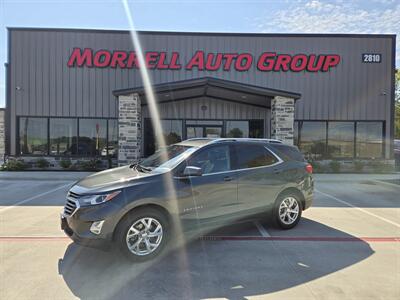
(72, 205)
(73, 195)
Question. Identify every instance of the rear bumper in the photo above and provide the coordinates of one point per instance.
(308, 192)
(308, 200)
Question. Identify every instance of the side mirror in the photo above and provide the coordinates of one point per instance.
(192, 171)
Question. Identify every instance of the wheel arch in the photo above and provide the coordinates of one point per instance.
(160, 208)
(295, 191)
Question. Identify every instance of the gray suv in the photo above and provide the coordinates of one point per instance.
(193, 186)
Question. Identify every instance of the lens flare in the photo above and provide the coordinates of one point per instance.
(156, 122)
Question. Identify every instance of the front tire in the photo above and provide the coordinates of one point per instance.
(287, 211)
(143, 234)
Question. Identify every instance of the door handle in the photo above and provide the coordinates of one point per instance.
(277, 171)
(228, 178)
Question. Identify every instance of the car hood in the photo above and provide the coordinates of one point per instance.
(110, 179)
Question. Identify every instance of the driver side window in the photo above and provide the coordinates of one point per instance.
(212, 160)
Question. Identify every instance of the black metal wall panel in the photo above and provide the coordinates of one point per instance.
(48, 87)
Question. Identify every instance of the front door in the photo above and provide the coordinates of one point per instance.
(199, 131)
(213, 195)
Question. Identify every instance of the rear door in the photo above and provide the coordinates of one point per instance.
(259, 177)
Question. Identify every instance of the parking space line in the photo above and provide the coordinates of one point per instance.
(261, 229)
(33, 198)
(359, 208)
(232, 238)
(301, 239)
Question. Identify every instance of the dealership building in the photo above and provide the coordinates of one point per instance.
(79, 94)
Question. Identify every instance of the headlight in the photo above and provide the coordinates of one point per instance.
(97, 199)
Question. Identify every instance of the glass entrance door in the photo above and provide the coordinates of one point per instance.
(196, 131)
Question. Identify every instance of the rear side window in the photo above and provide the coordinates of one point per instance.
(289, 153)
(251, 156)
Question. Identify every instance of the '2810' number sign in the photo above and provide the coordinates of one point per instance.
(371, 58)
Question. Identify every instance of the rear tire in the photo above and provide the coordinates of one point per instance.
(287, 211)
(143, 234)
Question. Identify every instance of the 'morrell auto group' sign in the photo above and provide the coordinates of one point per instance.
(267, 61)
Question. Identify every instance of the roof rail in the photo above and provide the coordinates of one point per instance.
(273, 141)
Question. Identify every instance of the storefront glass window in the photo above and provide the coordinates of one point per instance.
(340, 139)
(172, 132)
(369, 139)
(245, 129)
(63, 136)
(33, 136)
(256, 129)
(92, 137)
(313, 139)
(112, 138)
(237, 129)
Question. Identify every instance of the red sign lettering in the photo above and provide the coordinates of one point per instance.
(203, 61)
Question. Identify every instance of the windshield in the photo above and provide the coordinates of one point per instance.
(167, 158)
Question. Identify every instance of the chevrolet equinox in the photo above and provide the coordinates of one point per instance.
(193, 185)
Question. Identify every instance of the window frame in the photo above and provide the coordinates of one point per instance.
(300, 126)
(383, 122)
(383, 150)
(279, 160)
(178, 170)
(48, 130)
(18, 146)
(353, 140)
(18, 136)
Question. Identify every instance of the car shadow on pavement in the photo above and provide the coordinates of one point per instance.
(231, 269)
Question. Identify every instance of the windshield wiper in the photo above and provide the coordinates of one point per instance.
(140, 168)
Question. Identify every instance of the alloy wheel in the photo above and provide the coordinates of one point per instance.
(144, 236)
(289, 210)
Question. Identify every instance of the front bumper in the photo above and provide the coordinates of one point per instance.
(83, 236)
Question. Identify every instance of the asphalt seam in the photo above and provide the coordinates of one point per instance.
(263, 231)
(233, 238)
(34, 197)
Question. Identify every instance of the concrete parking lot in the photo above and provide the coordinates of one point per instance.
(346, 247)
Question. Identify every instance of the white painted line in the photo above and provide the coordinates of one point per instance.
(387, 183)
(261, 229)
(359, 208)
(33, 198)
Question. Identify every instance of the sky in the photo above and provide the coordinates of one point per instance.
(279, 16)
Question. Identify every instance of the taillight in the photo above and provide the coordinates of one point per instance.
(309, 169)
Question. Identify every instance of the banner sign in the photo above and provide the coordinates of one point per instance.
(203, 61)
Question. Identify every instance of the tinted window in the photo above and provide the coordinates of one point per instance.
(212, 160)
(237, 129)
(112, 147)
(341, 139)
(313, 139)
(164, 155)
(171, 131)
(245, 129)
(289, 153)
(92, 137)
(63, 133)
(369, 139)
(251, 156)
(33, 136)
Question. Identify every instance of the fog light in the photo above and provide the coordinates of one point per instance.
(96, 227)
